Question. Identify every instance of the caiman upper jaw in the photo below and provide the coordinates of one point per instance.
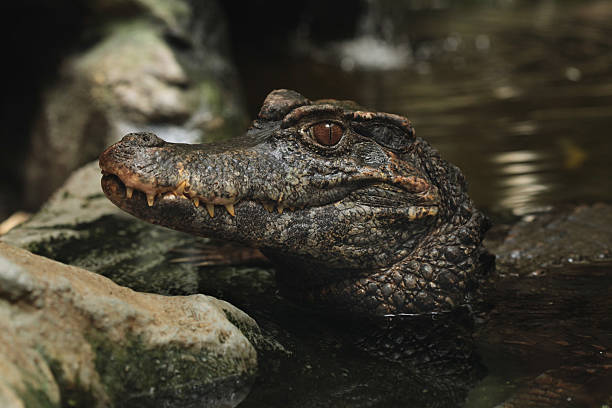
(119, 170)
(143, 162)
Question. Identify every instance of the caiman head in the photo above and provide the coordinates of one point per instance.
(358, 214)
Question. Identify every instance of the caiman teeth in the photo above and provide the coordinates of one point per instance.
(182, 191)
(211, 210)
(416, 213)
(230, 209)
(180, 188)
(150, 199)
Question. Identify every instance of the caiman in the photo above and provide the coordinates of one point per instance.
(361, 217)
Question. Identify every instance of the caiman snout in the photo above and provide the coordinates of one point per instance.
(203, 173)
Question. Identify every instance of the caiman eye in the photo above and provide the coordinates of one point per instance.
(326, 133)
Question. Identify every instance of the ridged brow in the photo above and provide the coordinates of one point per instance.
(302, 112)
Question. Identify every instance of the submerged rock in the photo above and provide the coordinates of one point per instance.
(581, 234)
(69, 337)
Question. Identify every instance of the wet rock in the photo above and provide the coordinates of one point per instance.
(581, 234)
(70, 337)
(80, 227)
(165, 69)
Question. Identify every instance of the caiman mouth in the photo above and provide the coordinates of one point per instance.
(118, 190)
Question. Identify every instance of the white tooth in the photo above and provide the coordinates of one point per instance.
(230, 209)
(128, 192)
(196, 201)
(180, 188)
(211, 209)
(150, 199)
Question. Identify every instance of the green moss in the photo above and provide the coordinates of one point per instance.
(72, 394)
(35, 397)
(130, 252)
(136, 376)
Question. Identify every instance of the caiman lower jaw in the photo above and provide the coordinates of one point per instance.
(180, 192)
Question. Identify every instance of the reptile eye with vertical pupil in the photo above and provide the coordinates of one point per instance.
(326, 133)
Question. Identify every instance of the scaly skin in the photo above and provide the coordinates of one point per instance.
(376, 224)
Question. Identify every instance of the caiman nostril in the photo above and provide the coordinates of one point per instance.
(144, 139)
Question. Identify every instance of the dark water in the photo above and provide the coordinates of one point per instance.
(519, 96)
(555, 323)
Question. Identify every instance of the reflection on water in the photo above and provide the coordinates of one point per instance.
(519, 180)
(517, 94)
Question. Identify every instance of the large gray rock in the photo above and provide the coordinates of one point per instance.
(165, 68)
(69, 337)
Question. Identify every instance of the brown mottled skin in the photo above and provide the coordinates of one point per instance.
(360, 217)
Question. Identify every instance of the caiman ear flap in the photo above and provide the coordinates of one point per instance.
(279, 103)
